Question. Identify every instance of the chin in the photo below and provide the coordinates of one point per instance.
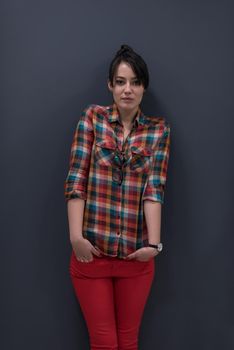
(127, 106)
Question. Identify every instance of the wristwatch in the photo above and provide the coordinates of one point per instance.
(158, 246)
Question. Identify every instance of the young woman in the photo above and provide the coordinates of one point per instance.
(114, 191)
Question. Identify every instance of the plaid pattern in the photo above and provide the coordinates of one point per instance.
(115, 177)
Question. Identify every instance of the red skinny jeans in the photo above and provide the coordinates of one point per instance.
(112, 294)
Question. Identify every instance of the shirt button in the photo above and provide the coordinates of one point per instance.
(115, 177)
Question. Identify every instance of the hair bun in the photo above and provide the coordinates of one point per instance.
(124, 49)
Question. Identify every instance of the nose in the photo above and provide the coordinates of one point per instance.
(127, 88)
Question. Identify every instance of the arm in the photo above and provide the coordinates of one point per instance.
(75, 185)
(82, 248)
(154, 192)
(152, 211)
(75, 210)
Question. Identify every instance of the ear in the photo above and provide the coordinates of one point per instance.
(110, 87)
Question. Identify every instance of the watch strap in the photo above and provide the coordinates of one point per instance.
(153, 245)
(158, 246)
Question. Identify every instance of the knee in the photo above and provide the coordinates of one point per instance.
(104, 341)
(128, 340)
(128, 346)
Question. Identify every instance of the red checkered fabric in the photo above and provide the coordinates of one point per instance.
(114, 176)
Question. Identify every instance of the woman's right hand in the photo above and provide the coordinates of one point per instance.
(83, 249)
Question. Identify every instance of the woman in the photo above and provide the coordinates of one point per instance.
(114, 191)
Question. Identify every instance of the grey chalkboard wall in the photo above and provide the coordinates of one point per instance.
(54, 61)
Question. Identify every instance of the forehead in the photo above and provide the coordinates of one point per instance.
(125, 70)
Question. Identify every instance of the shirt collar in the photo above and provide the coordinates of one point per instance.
(114, 115)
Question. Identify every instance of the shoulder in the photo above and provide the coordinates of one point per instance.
(160, 122)
(95, 108)
(92, 110)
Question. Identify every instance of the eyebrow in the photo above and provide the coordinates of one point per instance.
(118, 76)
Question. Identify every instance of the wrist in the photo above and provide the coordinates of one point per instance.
(76, 238)
(158, 246)
(153, 251)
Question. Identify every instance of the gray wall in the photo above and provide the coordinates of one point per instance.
(54, 61)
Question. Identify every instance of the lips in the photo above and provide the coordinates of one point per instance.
(127, 99)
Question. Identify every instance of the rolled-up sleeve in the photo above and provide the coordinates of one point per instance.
(155, 185)
(75, 185)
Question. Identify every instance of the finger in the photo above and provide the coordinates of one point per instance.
(131, 256)
(143, 260)
(96, 251)
(87, 259)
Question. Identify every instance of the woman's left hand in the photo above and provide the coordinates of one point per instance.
(143, 254)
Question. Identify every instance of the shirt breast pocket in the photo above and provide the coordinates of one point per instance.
(141, 159)
(104, 152)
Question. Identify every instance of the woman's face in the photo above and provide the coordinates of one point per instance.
(127, 90)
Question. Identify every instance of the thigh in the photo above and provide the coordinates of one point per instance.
(96, 299)
(131, 295)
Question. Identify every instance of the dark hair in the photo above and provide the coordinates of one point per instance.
(138, 65)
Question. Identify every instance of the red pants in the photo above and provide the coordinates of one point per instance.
(112, 294)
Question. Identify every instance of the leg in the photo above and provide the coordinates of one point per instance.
(95, 296)
(131, 294)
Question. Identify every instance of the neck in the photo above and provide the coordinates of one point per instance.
(127, 117)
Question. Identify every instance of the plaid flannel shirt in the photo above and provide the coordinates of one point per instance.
(115, 177)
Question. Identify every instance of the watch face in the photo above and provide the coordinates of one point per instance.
(160, 247)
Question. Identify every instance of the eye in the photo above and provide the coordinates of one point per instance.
(137, 82)
(119, 81)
